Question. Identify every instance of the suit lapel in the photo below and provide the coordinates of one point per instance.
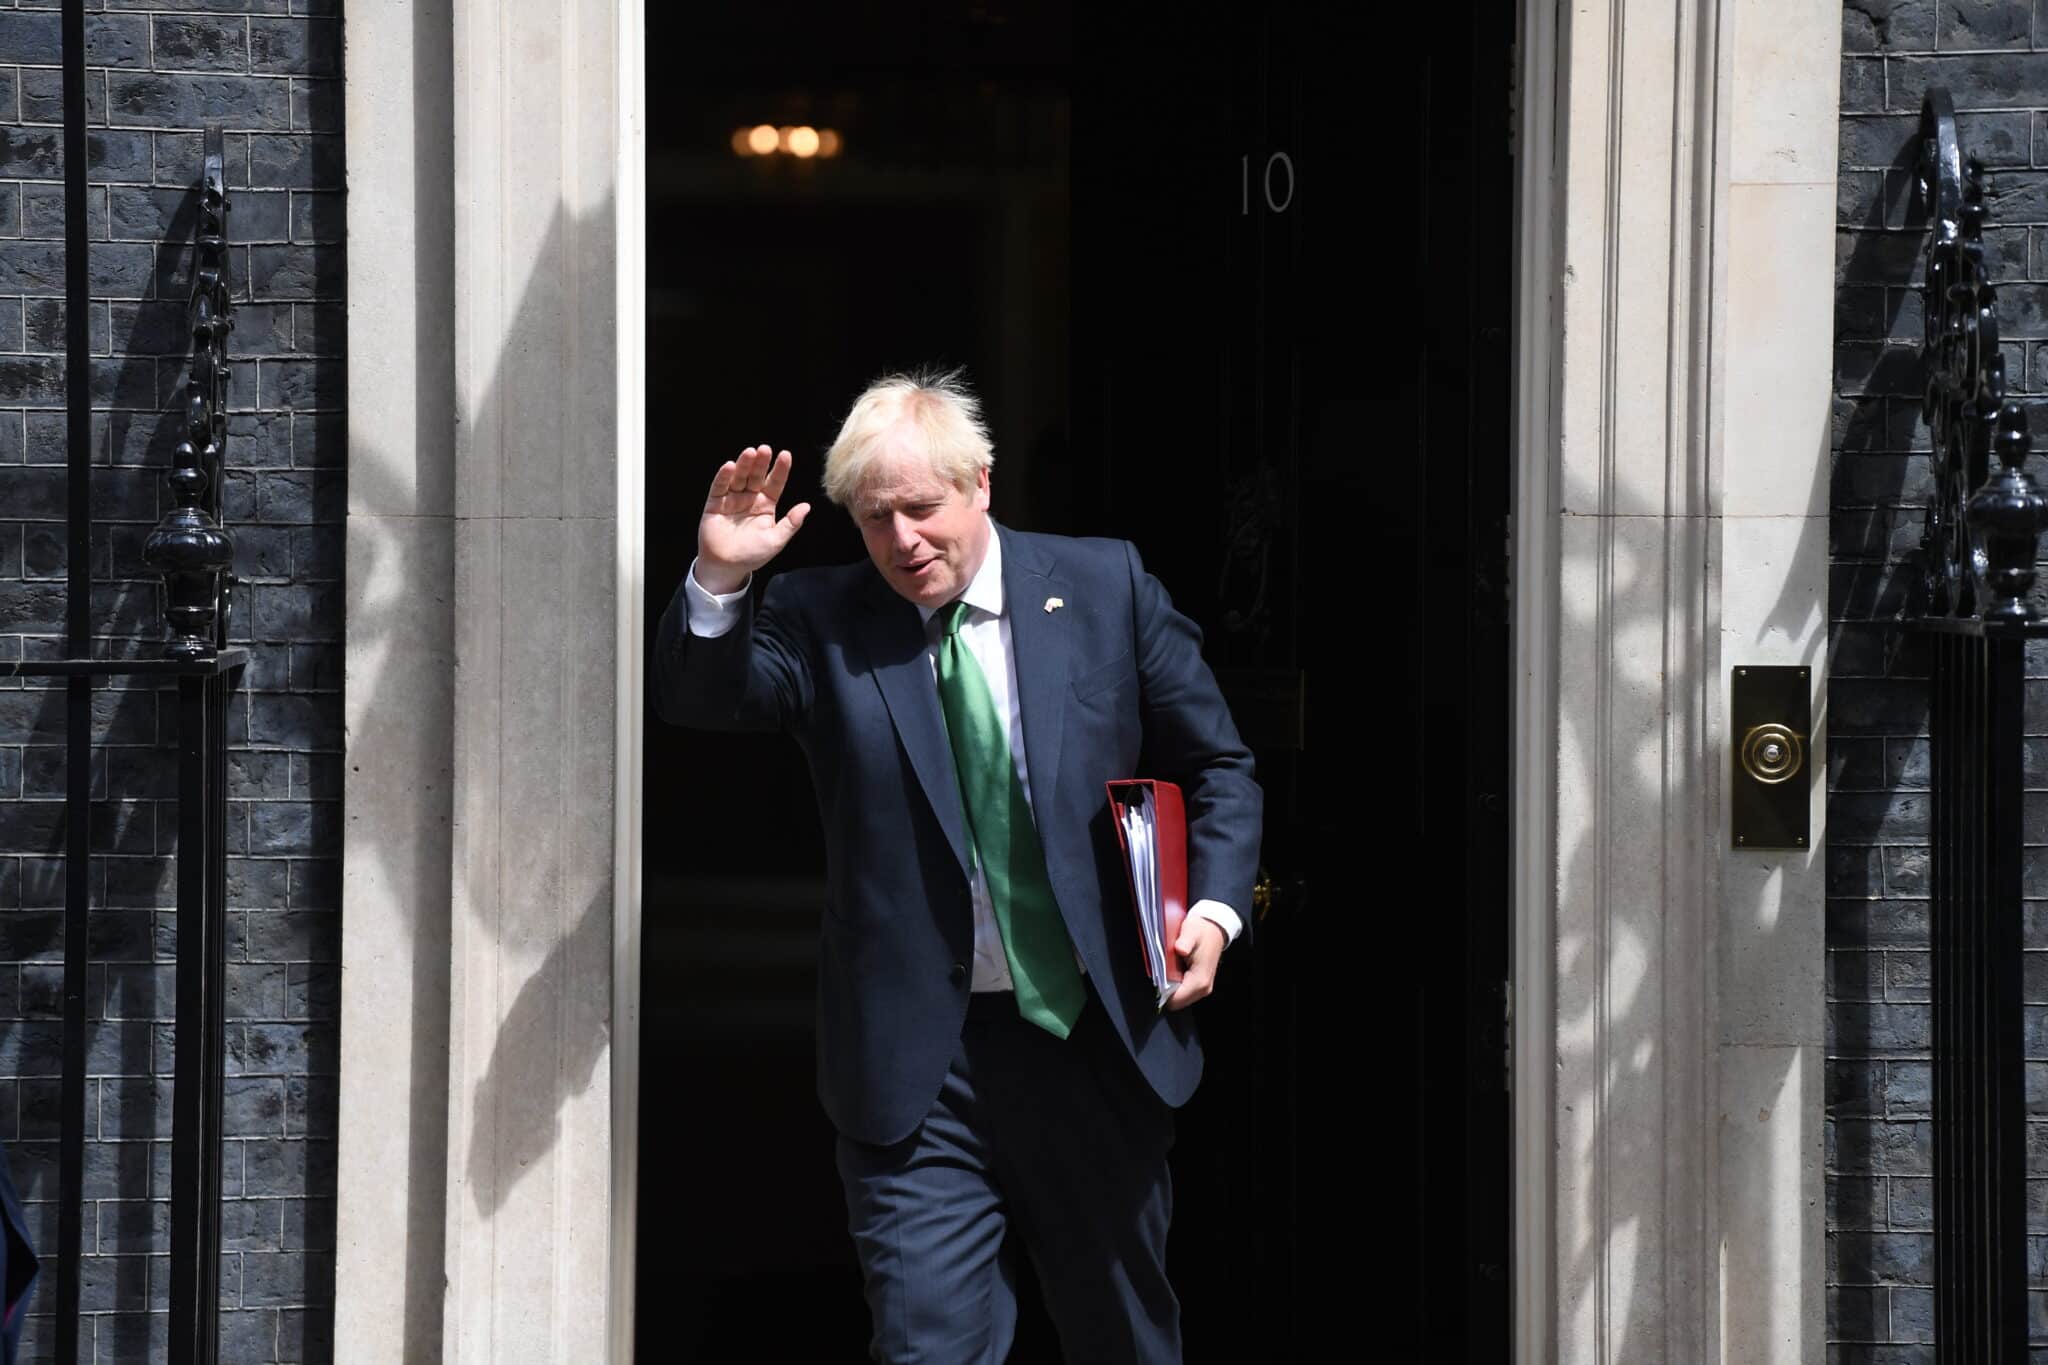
(895, 642)
(1038, 644)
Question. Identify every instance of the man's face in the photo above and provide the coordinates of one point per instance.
(926, 536)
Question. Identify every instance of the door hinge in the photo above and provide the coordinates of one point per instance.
(1507, 1035)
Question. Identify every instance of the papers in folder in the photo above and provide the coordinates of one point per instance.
(1151, 828)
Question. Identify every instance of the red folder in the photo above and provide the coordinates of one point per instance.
(1170, 857)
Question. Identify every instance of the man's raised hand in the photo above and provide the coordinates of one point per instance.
(739, 532)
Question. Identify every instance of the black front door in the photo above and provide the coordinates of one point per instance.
(1291, 311)
(1234, 283)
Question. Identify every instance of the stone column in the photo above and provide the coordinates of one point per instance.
(484, 615)
(1637, 659)
(400, 631)
(1777, 397)
(1674, 401)
(529, 1087)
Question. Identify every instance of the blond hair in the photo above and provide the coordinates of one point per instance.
(936, 405)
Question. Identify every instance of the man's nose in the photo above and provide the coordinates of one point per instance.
(904, 531)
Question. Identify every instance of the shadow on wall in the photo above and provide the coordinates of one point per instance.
(558, 1010)
(1879, 1024)
(1615, 1025)
(131, 991)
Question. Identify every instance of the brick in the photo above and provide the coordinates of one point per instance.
(259, 216)
(253, 1106)
(179, 157)
(298, 47)
(1863, 84)
(287, 1277)
(317, 553)
(252, 1225)
(259, 439)
(318, 216)
(309, 1224)
(176, 267)
(35, 39)
(31, 152)
(288, 1166)
(316, 668)
(304, 161)
(137, 882)
(1854, 975)
(193, 42)
(319, 440)
(1859, 1313)
(293, 936)
(31, 381)
(255, 990)
(1971, 24)
(1855, 1201)
(1883, 1147)
(294, 828)
(296, 272)
(122, 270)
(302, 385)
(1888, 25)
(1873, 1029)
(297, 498)
(1853, 1087)
(1877, 141)
(1995, 80)
(191, 101)
(312, 991)
(1908, 1086)
(1880, 368)
(1881, 1258)
(250, 1334)
(1912, 1318)
(311, 1104)
(138, 1107)
(316, 106)
(263, 553)
(42, 97)
(1999, 140)
(316, 882)
(114, 156)
(1874, 706)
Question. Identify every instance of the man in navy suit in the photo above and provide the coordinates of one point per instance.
(989, 1048)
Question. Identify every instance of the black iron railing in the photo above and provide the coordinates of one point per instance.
(192, 552)
(1978, 550)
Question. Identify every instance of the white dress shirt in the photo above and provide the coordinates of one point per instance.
(986, 633)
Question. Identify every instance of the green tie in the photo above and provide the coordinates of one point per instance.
(1048, 984)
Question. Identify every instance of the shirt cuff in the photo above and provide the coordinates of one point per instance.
(712, 614)
(1222, 916)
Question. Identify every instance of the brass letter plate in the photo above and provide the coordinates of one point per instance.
(1770, 721)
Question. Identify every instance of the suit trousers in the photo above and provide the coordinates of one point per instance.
(1057, 1145)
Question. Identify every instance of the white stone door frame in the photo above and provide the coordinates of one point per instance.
(1672, 435)
(631, 179)
(1534, 685)
(1671, 420)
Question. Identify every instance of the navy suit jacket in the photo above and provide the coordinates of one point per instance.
(1111, 684)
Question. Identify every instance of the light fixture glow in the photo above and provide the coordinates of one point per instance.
(798, 140)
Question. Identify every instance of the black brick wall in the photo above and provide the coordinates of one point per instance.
(1993, 56)
(269, 71)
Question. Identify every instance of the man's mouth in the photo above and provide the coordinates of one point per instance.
(918, 566)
